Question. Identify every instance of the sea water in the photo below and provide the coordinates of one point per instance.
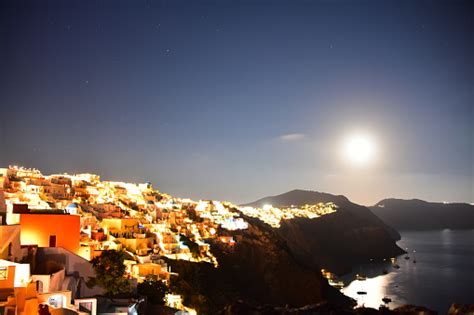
(443, 272)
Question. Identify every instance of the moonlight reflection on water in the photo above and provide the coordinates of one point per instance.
(376, 288)
(443, 273)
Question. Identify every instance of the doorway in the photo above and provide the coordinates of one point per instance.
(52, 241)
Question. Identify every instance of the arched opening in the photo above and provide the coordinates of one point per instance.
(39, 286)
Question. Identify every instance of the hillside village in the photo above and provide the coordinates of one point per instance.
(52, 226)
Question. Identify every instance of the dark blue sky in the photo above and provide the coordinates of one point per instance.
(197, 96)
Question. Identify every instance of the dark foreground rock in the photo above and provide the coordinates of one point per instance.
(259, 269)
(241, 308)
(413, 310)
(461, 309)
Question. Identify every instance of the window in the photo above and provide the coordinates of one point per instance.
(3, 273)
(56, 301)
(85, 307)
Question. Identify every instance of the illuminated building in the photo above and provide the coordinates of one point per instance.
(13, 275)
(119, 225)
(10, 243)
(51, 230)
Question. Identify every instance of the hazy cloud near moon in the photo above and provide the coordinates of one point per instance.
(292, 137)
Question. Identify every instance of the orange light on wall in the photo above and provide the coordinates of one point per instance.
(51, 230)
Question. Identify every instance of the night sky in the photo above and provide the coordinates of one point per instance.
(236, 100)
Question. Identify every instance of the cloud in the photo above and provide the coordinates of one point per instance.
(292, 137)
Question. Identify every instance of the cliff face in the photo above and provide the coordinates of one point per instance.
(259, 269)
(337, 241)
(418, 214)
(281, 266)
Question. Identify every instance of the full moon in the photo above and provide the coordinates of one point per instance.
(359, 149)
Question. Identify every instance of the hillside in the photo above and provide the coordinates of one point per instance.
(338, 241)
(258, 269)
(218, 252)
(298, 197)
(419, 214)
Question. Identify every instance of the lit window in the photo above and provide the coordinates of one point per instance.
(3, 273)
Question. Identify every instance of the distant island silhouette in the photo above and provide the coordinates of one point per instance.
(418, 214)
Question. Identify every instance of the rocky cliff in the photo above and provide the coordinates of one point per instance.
(337, 241)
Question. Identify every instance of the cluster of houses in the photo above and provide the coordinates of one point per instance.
(273, 215)
(51, 227)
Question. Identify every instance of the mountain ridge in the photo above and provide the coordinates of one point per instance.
(420, 214)
(323, 197)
